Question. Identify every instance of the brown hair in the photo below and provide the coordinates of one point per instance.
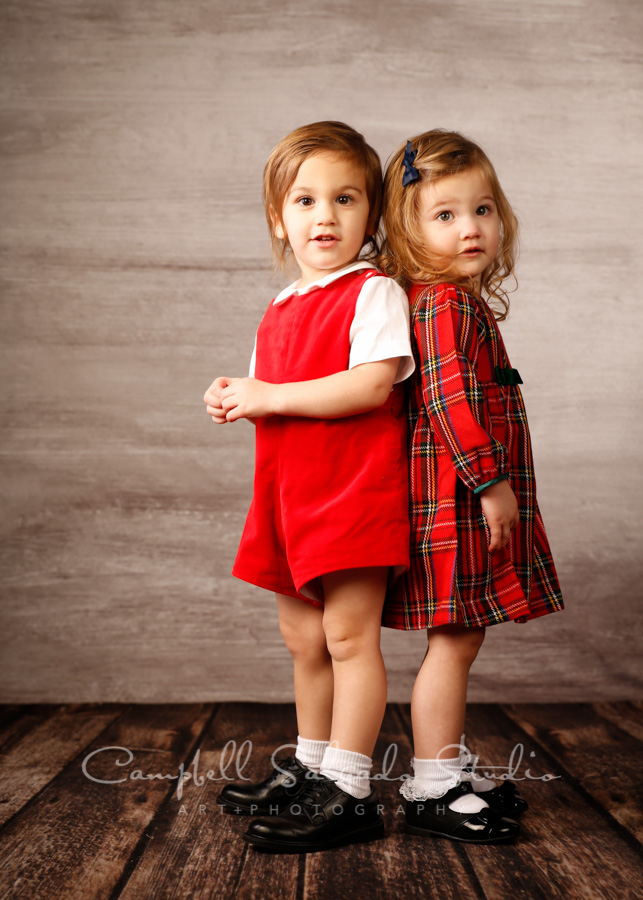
(404, 255)
(285, 160)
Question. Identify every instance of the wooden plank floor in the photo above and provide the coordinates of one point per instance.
(91, 806)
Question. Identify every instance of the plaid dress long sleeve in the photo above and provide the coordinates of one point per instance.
(467, 429)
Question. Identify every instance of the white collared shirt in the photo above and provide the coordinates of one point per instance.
(380, 327)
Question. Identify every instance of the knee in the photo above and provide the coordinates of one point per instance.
(344, 642)
(305, 642)
(342, 647)
(464, 643)
(469, 645)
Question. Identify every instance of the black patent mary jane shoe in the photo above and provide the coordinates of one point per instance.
(322, 816)
(435, 818)
(269, 797)
(504, 798)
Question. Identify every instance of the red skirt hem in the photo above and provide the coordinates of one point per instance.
(519, 617)
(276, 587)
(399, 567)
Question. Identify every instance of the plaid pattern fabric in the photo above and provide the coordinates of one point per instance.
(466, 429)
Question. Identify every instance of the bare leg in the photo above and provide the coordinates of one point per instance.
(353, 601)
(301, 627)
(440, 694)
(438, 712)
(340, 806)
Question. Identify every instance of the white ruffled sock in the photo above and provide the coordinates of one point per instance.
(350, 770)
(479, 783)
(310, 753)
(433, 778)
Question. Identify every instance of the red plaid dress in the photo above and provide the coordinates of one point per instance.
(466, 430)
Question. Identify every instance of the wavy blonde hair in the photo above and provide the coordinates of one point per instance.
(284, 162)
(404, 255)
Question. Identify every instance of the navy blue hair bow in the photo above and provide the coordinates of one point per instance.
(410, 172)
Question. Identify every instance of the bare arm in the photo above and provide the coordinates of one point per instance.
(345, 393)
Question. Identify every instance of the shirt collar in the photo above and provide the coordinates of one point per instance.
(321, 282)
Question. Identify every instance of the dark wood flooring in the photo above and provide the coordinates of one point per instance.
(66, 835)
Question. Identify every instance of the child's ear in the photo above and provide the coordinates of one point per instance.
(278, 228)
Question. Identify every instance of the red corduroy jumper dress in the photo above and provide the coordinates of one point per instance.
(467, 427)
(329, 494)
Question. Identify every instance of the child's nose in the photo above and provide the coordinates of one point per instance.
(325, 212)
(469, 227)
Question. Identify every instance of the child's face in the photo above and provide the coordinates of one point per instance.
(325, 215)
(459, 222)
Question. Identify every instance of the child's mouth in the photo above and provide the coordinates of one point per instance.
(325, 239)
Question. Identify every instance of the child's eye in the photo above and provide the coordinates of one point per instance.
(344, 199)
(445, 216)
(304, 201)
(483, 210)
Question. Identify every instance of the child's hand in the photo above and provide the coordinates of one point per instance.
(500, 509)
(212, 399)
(248, 398)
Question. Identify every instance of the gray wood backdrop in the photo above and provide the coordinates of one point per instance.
(136, 268)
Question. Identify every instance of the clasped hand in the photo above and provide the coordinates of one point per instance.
(229, 399)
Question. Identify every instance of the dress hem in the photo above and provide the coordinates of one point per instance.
(520, 618)
(399, 568)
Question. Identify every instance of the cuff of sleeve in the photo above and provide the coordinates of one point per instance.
(489, 483)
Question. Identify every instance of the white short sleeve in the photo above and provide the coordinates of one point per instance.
(253, 360)
(380, 327)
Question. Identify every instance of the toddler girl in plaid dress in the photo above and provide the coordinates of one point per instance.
(479, 552)
(328, 527)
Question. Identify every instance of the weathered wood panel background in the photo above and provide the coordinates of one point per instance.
(135, 269)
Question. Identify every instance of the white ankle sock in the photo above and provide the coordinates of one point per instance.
(433, 778)
(479, 783)
(310, 753)
(350, 770)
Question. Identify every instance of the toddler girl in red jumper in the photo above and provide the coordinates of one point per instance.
(479, 552)
(328, 527)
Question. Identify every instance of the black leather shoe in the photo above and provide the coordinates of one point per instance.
(269, 797)
(504, 799)
(434, 817)
(322, 816)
